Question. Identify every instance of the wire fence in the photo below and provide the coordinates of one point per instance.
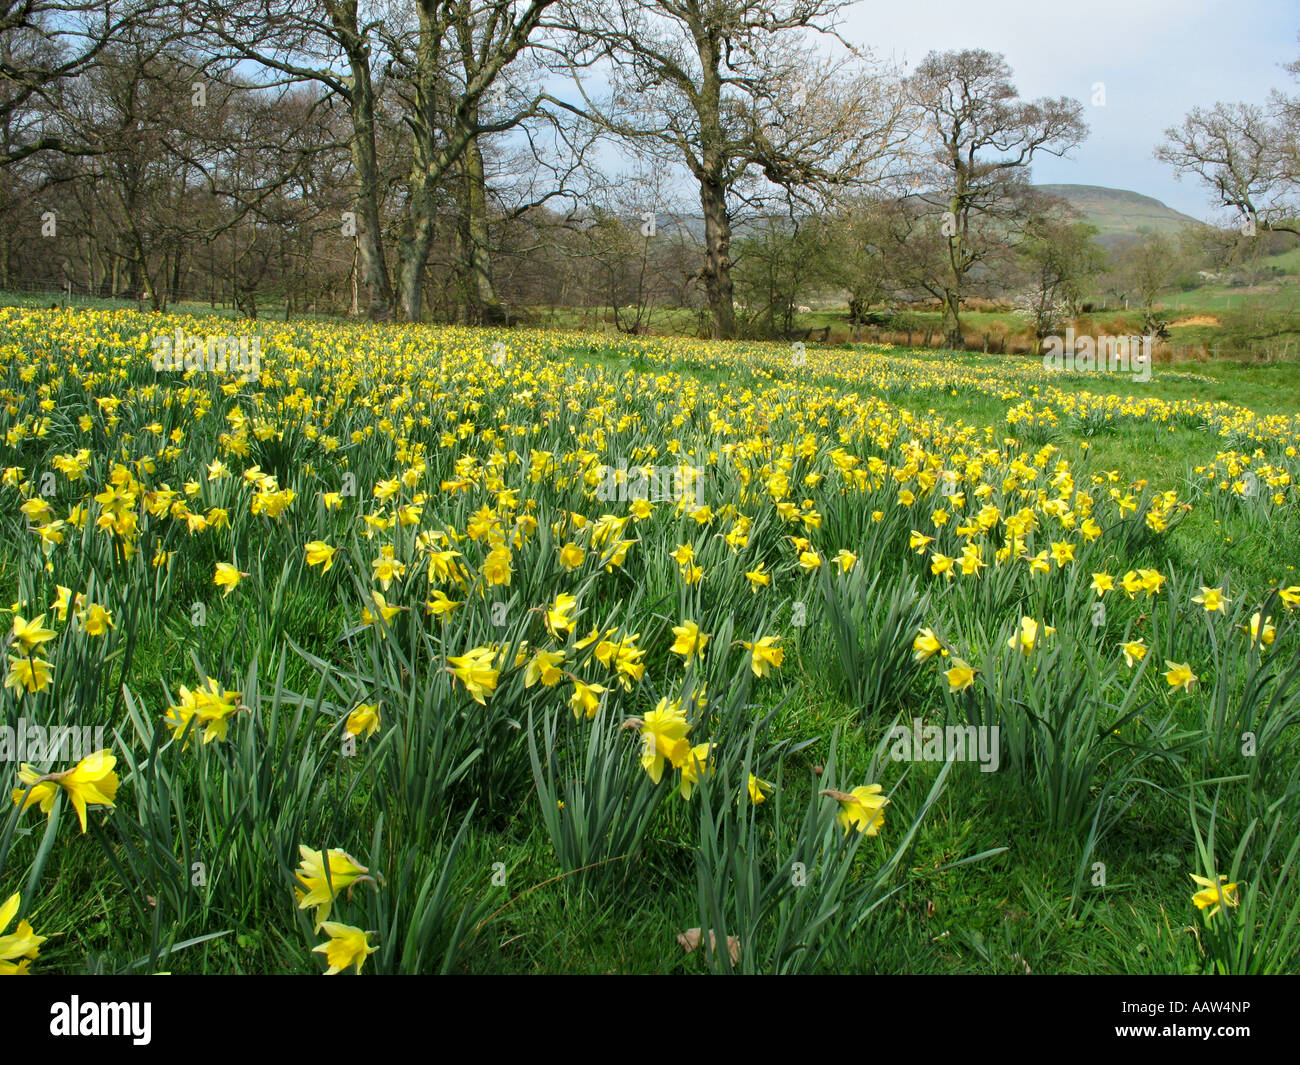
(68, 289)
(62, 292)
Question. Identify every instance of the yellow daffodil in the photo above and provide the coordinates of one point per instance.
(689, 642)
(210, 707)
(545, 667)
(1261, 631)
(764, 655)
(91, 782)
(925, 646)
(440, 605)
(476, 669)
(363, 720)
(663, 738)
(320, 887)
(863, 808)
(960, 676)
(560, 614)
(386, 610)
(1062, 553)
(1027, 637)
(31, 634)
(1212, 599)
(1180, 675)
(319, 553)
(698, 763)
(585, 698)
(1152, 580)
(227, 577)
(95, 620)
(61, 603)
(758, 789)
(346, 946)
(30, 674)
(1213, 894)
(19, 948)
(1134, 652)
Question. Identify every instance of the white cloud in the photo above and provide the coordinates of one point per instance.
(1157, 59)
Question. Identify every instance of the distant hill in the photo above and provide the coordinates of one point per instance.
(1120, 216)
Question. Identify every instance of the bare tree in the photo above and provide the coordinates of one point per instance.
(439, 60)
(1060, 259)
(1247, 156)
(446, 63)
(44, 45)
(733, 91)
(780, 260)
(541, 156)
(1145, 270)
(328, 44)
(981, 138)
(858, 257)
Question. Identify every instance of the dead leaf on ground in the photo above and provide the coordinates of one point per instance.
(690, 941)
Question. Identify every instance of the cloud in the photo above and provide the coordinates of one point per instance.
(1156, 59)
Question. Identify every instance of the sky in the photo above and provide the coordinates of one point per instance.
(1157, 59)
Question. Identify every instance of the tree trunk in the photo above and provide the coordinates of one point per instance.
(177, 276)
(952, 321)
(374, 269)
(957, 261)
(418, 229)
(356, 254)
(717, 260)
(484, 306)
(370, 244)
(413, 247)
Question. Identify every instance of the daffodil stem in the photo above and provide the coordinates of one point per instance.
(47, 844)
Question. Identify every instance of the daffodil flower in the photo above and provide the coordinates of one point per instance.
(689, 641)
(91, 782)
(320, 889)
(1213, 894)
(862, 808)
(346, 946)
(20, 947)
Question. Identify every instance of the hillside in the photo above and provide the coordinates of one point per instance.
(1120, 215)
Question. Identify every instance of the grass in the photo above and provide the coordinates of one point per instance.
(1214, 298)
